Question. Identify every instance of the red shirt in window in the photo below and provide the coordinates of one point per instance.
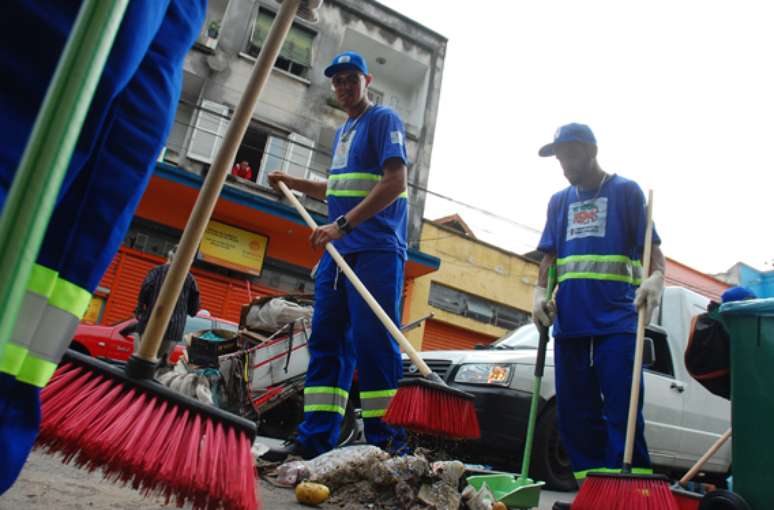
(243, 170)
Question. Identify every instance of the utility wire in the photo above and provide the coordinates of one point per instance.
(324, 171)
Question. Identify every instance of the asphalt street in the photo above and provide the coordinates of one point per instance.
(46, 483)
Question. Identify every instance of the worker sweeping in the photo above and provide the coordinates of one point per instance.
(594, 233)
(367, 209)
(125, 128)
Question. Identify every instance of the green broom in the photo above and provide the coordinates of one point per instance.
(136, 430)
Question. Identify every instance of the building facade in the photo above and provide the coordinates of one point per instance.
(760, 282)
(255, 244)
(479, 292)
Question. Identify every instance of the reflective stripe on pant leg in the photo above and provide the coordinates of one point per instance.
(378, 356)
(375, 403)
(39, 288)
(325, 398)
(63, 312)
(330, 364)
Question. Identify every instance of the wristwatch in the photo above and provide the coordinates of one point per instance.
(343, 225)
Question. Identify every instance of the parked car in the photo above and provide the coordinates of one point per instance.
(115, 343)
(682, 418)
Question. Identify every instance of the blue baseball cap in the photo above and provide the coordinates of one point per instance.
(737, 294)
(573, 132)
(345, 61)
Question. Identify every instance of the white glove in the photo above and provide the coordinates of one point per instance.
(649, 293)
(543, 310)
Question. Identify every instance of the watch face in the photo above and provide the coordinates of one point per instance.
(342, 224)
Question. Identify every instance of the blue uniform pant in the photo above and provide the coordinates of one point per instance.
(593, 382)
(345, 334)
(126, 126)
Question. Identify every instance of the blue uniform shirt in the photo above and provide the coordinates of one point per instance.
(362, 146)
(598, 240)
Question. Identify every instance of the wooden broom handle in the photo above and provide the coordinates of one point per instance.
(634, 396)
(361, 289)
(213, 183)
(704, 458)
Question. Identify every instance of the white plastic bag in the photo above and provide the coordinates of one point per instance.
(293, 472)
(346, 465)
(276, 313)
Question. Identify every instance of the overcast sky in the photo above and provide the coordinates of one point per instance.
(678, 93)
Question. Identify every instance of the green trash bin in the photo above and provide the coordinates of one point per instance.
(750, 325)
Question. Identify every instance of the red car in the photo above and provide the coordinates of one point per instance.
(115, 343)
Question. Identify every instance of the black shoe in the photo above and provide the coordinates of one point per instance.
(280, 453)
(561, 506)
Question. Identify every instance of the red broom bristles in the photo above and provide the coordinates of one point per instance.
(686, 500)
(432, 411)
(140, 439)
(624, 492)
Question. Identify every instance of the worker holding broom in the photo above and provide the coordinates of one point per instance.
(367, 209)
(594, 233)
(127, 123)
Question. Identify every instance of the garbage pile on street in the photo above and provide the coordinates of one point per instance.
(365, 476)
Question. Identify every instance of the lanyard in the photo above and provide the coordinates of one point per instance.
(348, 130)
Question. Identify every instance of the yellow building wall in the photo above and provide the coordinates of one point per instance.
(473, 267)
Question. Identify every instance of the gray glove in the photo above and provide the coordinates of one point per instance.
(543, 310)
(649, 293)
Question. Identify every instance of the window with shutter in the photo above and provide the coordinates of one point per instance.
(209, 128)
(475, 307)
(296, 53)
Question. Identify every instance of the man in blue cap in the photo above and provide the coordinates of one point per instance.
(367, 210)
(594, 233)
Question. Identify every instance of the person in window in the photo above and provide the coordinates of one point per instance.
(595, 234)
(187, 304)
(243, 170)
(367, 210)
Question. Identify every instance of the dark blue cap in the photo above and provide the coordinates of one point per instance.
(568, 133)
(345, 61)
(737, 294)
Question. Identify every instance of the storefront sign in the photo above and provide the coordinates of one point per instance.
(233, 248)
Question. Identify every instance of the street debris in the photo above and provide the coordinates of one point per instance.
(365, 476)
(482, 499)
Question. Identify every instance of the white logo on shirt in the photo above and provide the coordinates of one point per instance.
(396, 137)
(587, 218)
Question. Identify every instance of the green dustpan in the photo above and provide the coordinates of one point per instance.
(523, 492)
(514, 492)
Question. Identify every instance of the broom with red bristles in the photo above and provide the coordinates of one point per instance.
(628, 491)
(687, 500)
(136, 430)
(424, 404)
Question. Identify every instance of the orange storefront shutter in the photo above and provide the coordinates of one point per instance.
(441, 336)
(213, 290)
(124, 279)
(222, 296)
